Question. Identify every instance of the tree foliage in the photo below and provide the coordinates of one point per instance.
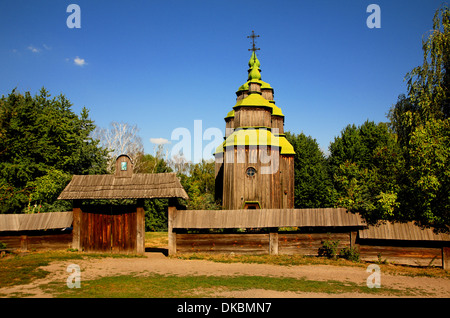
(421, 122)
(199, 184)
(366, 164)
(313, 185)
(42, 144)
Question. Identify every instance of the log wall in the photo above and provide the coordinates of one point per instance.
(314, 227)
(37, 240)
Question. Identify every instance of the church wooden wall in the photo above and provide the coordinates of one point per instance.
(278, 122)
(252, 117)
(287, 180)
(271, 190)
(267, 94)
(229, 126)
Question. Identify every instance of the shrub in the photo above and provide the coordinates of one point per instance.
(329, 248)
(349, 253)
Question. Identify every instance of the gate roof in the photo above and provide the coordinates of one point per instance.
(138, 186)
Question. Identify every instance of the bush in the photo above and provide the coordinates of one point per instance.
(349, 253)
(329, 249)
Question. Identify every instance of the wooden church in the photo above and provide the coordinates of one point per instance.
(254, 166)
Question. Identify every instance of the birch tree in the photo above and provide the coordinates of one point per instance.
(120, 138)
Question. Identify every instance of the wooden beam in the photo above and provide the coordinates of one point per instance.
(445, 257)
(273, 241)
(172, 210)
(76, 231)
(140, 228)
(353, 235)
(23, 243)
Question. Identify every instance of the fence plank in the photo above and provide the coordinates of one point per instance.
(264, 218)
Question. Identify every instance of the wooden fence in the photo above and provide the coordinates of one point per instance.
(317, 225)
(401, 243)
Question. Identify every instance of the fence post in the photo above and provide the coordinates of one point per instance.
(273, 241)
(353, 236)
(23, 243)
(140, 224)
(76, 229)
(445, 257)
(172, 235)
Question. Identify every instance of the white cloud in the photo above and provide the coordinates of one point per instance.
(33, 49)
(159, 141)
(79, 62)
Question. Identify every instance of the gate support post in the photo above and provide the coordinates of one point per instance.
(76, 225)
(140, 230)
(172, 235)
(446, 257)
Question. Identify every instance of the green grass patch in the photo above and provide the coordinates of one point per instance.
(296, 260)
(156, 239)
(171, 286)
(284, 260)
(22, 269)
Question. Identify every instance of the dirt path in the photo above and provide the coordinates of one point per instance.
(159, 264)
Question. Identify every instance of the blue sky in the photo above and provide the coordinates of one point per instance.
(163, 64)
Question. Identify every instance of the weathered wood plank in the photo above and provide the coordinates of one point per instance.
(309, 243)
(418, 256)
(223, 243)
(172, 245)
(445, 256)
(264, 218)
(39, 242)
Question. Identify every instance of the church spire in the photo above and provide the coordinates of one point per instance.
(254, 71)
(254, 64)
(254, 60)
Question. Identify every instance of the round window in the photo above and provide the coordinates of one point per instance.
(251, 171)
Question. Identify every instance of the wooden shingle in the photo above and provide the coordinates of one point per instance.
(265, 218)
(34, 222)
(138, 186)
(401, 231)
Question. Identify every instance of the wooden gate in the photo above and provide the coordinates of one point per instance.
(109, 229)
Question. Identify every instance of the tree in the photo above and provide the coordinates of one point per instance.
(421, 122)
(199, 184)
(121, 138)
(313, 186)
(429, 173)
(42, 143)
(366, 164)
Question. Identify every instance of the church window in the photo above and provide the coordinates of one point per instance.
(251, 172)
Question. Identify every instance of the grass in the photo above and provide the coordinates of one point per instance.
(283, 260)
(156, 239)
(22, 269)
(296, 260)
(171, 286)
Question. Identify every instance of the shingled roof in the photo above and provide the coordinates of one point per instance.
(401, 231)
(138, 186)
(38, 221)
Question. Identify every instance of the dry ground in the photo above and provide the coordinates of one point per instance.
(159, 264)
